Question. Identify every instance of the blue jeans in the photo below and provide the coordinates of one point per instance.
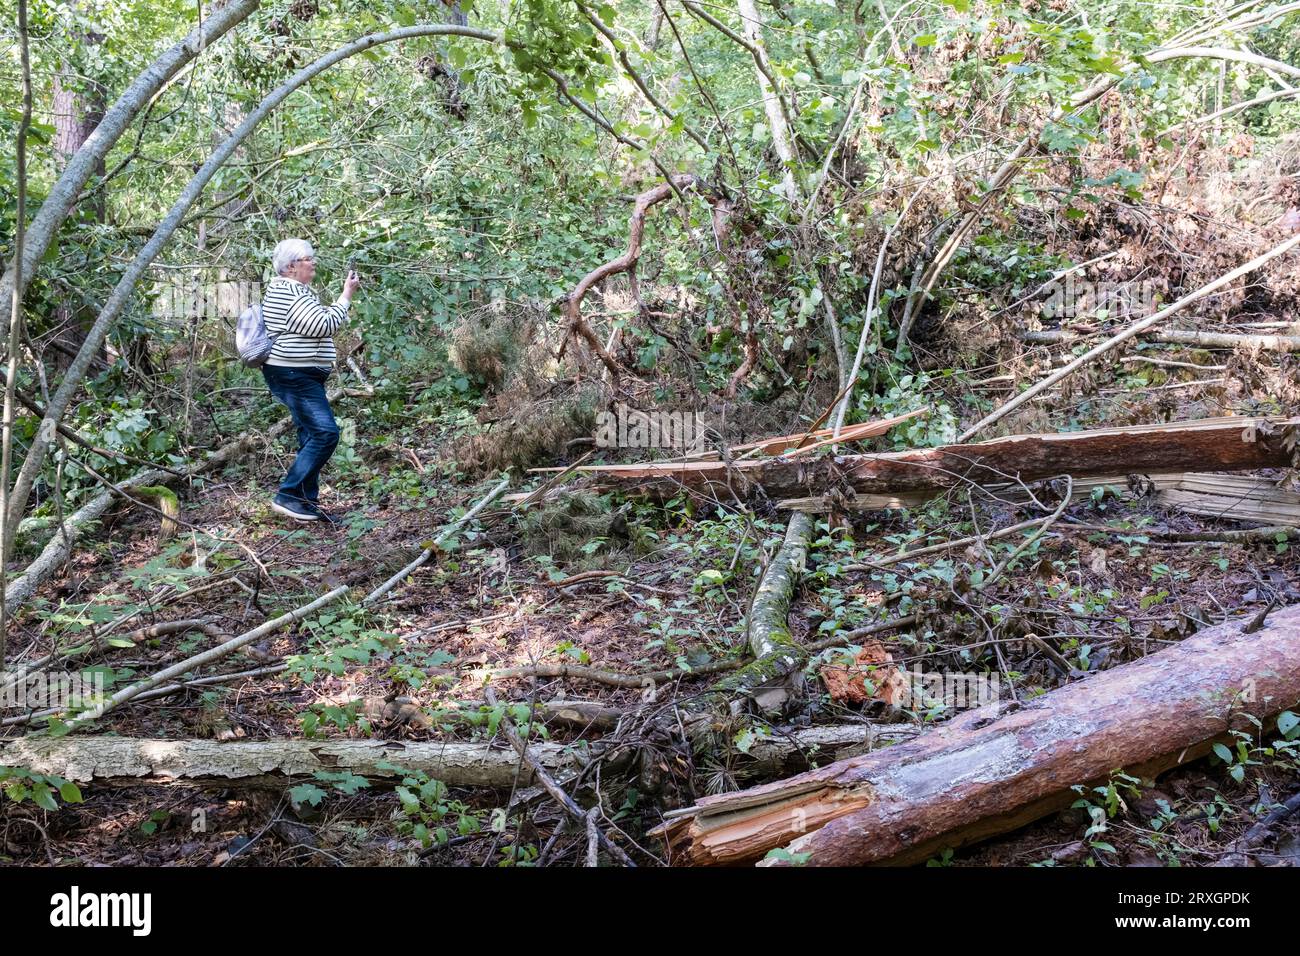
(302, 391)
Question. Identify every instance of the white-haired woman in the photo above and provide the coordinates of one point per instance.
(301, 360)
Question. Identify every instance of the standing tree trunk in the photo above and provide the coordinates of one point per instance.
(78, 111)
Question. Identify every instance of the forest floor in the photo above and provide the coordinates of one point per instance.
(411, 668)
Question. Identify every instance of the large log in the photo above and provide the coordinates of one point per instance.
(998, 767)
(132, 761)
(1215, 444)
(125, 760)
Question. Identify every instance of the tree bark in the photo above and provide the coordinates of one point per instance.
(130, 761)
(76, 114)
(998, 767)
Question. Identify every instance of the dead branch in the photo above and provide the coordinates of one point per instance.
(557, 793)
(433, 549)
(206, 657)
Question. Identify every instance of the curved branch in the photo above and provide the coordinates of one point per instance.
(624, 263)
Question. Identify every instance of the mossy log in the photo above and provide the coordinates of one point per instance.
(775, 676)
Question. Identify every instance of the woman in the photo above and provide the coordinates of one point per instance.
(301, 359)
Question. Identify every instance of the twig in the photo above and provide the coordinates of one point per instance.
(1131, 332)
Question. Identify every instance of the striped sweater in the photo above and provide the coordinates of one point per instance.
(301, 327)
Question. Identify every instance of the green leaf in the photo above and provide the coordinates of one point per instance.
(410, 802)
(307, 793)
(1287, 724)
(70, 792)
(43, 795)
(1223, 753)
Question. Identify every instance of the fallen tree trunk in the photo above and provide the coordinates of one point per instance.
(774, 675)
(132, 761)
(1215, 444)
(118, 761)
(1205, 340)
(998, 767)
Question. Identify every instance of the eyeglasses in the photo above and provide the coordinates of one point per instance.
(306, 259)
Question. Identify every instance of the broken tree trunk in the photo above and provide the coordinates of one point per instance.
(998, 767)
(1215, 444)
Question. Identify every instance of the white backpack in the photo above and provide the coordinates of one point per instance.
(251, 341)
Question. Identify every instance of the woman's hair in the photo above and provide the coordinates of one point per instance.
(289, 251)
